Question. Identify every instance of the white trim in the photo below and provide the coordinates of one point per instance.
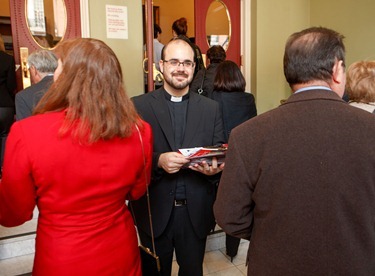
(85, 19)
(246, 41)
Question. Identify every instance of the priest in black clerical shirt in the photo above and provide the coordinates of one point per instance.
(181, 196)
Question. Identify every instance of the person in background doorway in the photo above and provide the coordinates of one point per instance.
(302, 190)
(181, 196)
(179, 30)
(79, 159)
(7, 90)
(361, 85)
(42, 64)
(158, 47)
(203, 82)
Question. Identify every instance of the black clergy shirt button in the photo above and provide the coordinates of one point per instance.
(171, 192)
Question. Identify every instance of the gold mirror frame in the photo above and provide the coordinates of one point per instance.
(217, 31)
(46, 21)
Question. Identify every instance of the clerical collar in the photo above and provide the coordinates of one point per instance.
(174, 98)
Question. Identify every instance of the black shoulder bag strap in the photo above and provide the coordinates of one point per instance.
(142, 247)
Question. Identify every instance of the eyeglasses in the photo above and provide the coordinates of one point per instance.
(176, 62)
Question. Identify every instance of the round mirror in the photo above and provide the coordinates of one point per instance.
(218, 27)
(46, 20)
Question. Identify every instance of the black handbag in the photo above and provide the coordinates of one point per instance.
(146, 253)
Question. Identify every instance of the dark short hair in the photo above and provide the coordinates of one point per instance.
(229, 78)
(157, 30)
(216, 54)
(311, 54)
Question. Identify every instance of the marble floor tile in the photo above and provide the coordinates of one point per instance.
(216, 263)
(243, 268)
(232, 271)
(240, 258)
(18, 247)
(16, 266)
(174, 269)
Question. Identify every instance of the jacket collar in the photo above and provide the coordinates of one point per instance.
(160, 109)
(314, 94)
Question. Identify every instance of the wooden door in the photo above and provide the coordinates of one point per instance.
(234, 10)
(22, 36)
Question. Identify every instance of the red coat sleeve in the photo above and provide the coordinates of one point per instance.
(17, 189)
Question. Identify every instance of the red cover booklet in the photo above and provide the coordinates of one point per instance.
(199, 154)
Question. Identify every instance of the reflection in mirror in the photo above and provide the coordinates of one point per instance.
(218, 26)
(46, 20)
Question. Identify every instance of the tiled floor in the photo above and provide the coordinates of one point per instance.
(216, 263)
(17, 266)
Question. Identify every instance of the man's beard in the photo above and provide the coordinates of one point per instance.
(174, 83)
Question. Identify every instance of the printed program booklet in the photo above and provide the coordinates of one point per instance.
(199, 154)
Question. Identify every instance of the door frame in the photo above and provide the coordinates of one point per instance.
(85, 18)
(247, 61)
(248, 36)
(246, 58)
(234, 10)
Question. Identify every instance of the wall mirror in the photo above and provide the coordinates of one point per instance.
(46, 20)
(218, 24)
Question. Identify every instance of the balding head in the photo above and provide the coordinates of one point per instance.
(177, 65)
(311, 55)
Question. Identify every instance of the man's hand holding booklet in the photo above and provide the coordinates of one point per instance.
(199, 154)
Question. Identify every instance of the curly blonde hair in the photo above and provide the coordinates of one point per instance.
(360, 82)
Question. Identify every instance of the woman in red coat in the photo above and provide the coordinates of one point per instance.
(78, 160)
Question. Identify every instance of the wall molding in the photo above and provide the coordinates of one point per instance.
(85, 19)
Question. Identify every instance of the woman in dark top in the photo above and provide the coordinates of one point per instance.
(237, 106)
(203, 82)
(229, 90)
(7, 88)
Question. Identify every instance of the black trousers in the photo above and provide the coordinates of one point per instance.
(231, 244)
(6, 121)
(179, 236)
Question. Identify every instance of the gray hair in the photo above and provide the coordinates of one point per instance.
(43, 60)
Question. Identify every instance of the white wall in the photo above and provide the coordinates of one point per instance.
(129, 51)
(354, 19)
(275, 21)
